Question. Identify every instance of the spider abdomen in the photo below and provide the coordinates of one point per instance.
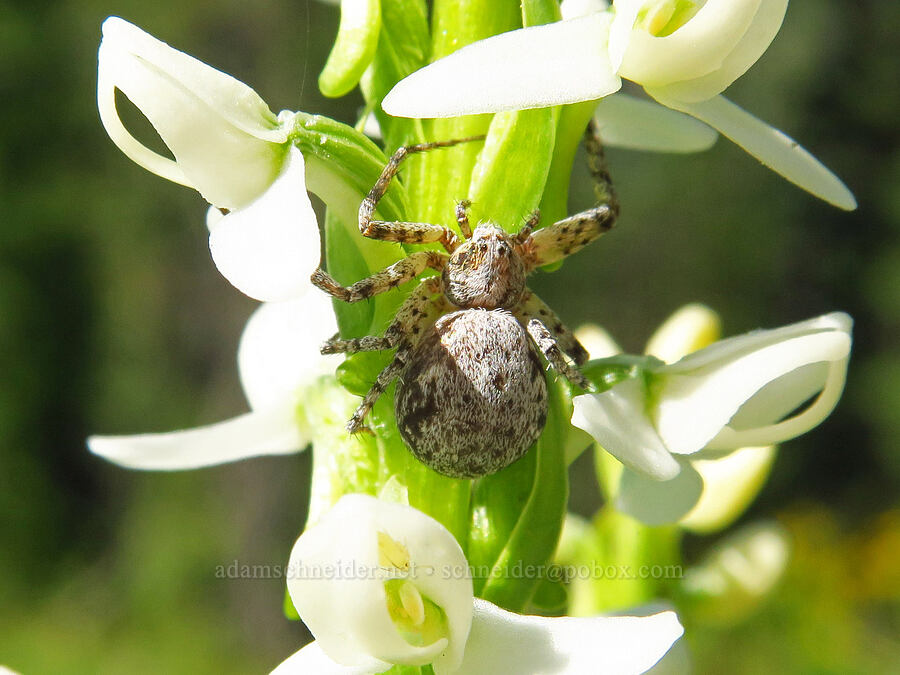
(472, 398)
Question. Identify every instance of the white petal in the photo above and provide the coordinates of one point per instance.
(272, 431)
(572, 9)
(698, 47)
(617, 422)
(774, 149)
(729, 485)
(279, 349)
(636, 124)
(756, 40)
(690, 328)
(657, 502)
(503, 642)
(792, 427)
(534, 67)
(269, 248)
(311, 660)
(741, 345)
(227, 143)
(336, 584)
(693, 408)
(242, 106)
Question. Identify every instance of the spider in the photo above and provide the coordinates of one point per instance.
(472, 396)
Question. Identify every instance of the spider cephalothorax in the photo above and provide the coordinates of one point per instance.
(486, 271)
(471, 397)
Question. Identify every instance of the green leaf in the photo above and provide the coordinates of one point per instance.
(403, 48)
(521, 559)
(539, 12)
(551, 597)
(573, 120)
(341, 160)
(354, 47)
(607, 373)
(511, 172)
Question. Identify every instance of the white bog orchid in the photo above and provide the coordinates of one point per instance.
(228, 146)
(684, 53)
(745, 391)
(380, 583)
(278, 360)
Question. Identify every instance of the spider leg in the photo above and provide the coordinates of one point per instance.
(462, 218)
(406, 232)
(382, 382)
(410, 335)
(390, 277)
(571, 234)
(416, 312)
(532, 307)
(550, 349)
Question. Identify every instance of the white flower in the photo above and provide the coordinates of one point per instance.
(278, 361)
(380, 583)
(743, 391)
(228, 146)
(683, 52)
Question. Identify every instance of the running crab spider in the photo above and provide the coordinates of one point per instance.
(471, 397)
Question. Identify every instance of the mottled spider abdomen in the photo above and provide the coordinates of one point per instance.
(472, 398)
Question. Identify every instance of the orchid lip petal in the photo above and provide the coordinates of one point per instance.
(268, 249)
(771, 147)
(656, 502)
(279, 349)
(311, 659)
(616, 420)
(533, 67)
(271, 431)
(503, 642)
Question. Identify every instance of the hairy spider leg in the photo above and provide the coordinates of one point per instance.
(565, 237)
(418, 311)
(405, 346)
(390, 277)
(406, 232)
(462, 218)
(532, 307)
(547, 345)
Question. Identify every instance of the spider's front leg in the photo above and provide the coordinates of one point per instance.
(390, 277)
(405, 232)
(565, 237)
(532, 307)
(547, 345)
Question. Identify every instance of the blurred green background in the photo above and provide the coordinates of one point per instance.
(114, 320)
